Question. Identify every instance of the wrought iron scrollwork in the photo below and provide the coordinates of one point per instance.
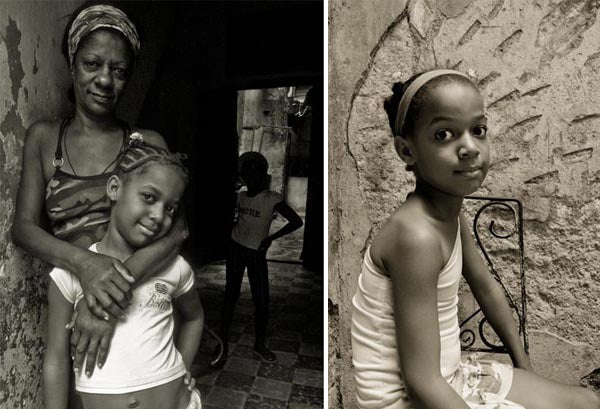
(515, 208)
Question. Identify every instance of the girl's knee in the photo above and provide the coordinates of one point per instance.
(590, 399)
(583, 398)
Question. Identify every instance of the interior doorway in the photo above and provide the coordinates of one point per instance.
(276, 122)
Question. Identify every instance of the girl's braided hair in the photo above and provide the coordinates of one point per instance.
(422, 96)
(138, 155)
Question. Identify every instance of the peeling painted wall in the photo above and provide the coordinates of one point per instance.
(537, 64)
(33, 85)
(262, 127)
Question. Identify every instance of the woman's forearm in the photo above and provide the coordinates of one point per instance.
(41, 244)
(149, 260)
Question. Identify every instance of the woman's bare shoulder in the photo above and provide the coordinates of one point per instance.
(152, 137)
(43, 135)
(43, 130)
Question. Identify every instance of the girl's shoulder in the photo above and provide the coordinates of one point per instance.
(408, 235)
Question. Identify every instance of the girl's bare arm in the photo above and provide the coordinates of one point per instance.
(192, 325)
(294, 223)
(412, 257)
(491, 299)
(57, 365)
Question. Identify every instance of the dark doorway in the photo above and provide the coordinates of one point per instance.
(195, 57)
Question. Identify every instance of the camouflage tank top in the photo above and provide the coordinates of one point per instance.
(77, 206)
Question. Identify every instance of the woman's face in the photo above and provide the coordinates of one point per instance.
(101, 68)
(449, 144)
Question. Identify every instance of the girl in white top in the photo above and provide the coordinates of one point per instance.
(405, 334)
(146, 367)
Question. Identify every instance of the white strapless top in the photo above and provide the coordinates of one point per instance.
(374, 349)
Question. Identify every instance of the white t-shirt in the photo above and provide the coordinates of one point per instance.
(142, 353)
(254, 217)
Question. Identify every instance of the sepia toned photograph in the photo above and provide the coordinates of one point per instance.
(463, 204)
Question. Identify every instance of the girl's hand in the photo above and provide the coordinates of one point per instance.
(524, 363)
(189, 380)
(265, 244)
(106, 284)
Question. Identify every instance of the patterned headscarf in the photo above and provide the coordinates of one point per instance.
(138, 153)
(95, 17)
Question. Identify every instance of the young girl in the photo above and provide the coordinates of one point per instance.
(250, 241)
(405, 333)
(146, 368)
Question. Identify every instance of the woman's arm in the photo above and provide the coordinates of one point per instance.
(57, 365)
(147, 261)
(412, 257)
(294, 223)
(491, 299)
(101, 276)
(192, 325)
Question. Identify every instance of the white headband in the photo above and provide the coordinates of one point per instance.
(412, 90)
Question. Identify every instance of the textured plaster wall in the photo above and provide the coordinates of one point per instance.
(33, 84)
(537, 64)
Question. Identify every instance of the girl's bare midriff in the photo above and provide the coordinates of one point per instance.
(172, 395)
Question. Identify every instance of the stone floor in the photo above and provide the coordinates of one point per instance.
(295, 335)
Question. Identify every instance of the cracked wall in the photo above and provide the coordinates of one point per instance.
(33, 85)
(537, 64)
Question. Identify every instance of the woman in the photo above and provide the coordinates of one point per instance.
(65, 168)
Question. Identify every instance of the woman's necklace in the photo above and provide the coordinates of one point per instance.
(67, 149)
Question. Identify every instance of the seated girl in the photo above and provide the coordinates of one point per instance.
(405, 332)
(146, 367)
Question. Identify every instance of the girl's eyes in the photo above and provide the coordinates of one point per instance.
(480, 131)
(443, 134)
(148, 197)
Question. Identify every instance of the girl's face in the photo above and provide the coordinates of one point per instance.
(101, 68)
(449, 145)
(253, 176)
(145, 204)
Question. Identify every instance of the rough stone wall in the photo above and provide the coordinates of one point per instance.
(537, 64)
(33, 85)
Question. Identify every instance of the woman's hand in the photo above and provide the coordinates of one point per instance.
(91, 337)
(179, 231)
(106, 284)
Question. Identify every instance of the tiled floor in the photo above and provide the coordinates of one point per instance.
(295, 335)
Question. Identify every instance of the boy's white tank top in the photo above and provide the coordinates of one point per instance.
(374, 349)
